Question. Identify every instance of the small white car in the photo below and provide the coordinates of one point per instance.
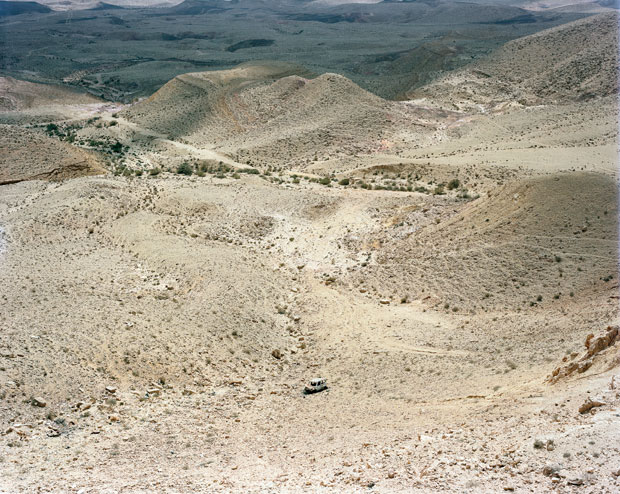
(316, 385)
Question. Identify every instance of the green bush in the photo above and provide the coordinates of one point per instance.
(344, 181)
(325, 181)
(251, 171)
(454, 184)
(185, 169)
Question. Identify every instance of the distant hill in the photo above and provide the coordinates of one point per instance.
(106, 6)
(17, 8)
(572, 62)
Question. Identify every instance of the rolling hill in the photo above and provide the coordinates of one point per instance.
(572, 62)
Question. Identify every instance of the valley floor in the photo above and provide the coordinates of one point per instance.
(170, 324)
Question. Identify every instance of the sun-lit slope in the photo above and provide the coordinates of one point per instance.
(198, 101)
(248, 115)
(296, 120)
(539, 242)
(27, 155)
(137, 283)
(575, 61)
(22, 95)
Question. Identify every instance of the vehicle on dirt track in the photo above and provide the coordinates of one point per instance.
(316, 385)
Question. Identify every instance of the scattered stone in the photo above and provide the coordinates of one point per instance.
(153, 391)
(53, 433)
(277, 354)
(384, 301)
(589, 405)
(37, 401)
(550, 470)
(576, 481)
(110, 389)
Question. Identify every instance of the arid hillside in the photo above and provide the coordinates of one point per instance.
(175, 271)
(264, 115)
(47, 159)
(573, 62)
(530, 243)
(22, 95)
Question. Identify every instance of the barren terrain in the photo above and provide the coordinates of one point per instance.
(174, 271)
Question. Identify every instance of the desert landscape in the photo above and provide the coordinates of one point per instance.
(180, 257)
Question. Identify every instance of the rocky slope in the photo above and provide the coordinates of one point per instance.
(47, 159)
(572, 62)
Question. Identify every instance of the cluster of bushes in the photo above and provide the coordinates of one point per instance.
(393, 185)
(219, 169)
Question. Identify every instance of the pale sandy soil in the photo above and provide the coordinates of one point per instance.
(169, 323)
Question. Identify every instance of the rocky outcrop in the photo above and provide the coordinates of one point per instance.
(594, 345)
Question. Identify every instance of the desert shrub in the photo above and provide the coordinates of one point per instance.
(438, 190)
(185, 169)
(325, 181)
(454, 184)
(344, 181)
(153, 172)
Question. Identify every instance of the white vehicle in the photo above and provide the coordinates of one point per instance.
(316, 385)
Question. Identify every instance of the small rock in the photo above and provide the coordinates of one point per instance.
(110, 389)
(576, 481)
(550, 470)
(276, 354)
(391, 475)
(589, 405)
(53, 433)
(153, 391)
(38, 402)
(384, 301)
